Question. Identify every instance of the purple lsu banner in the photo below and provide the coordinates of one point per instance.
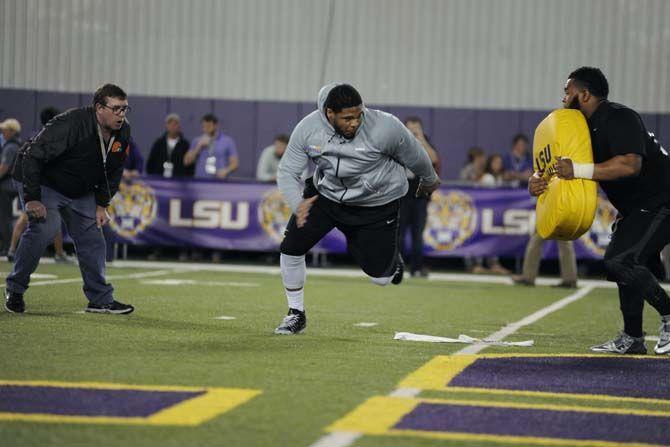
(462, 221)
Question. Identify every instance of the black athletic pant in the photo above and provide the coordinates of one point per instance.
(371, 232)
(633, 261)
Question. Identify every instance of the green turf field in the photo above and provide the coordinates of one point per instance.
(307, 382)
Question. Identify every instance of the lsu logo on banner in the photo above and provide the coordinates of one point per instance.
(274, 214)
(452, 219)
(598, 236)
(132, 209)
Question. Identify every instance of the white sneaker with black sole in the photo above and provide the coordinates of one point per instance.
(663, 343)
(112, 308)
(623, 344)
(293, 323)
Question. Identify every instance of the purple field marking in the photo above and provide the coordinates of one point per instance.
(88, 401)
(537, 423)
(620, 376)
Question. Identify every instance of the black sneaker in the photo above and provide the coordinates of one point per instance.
(623, 344)
(399, 271)
(112, 308)
(294, 322)
(14, 302)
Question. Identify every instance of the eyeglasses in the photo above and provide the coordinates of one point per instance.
(118, 110)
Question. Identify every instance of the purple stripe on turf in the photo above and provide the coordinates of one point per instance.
(538, 423)
(620, 376)
(88, 401)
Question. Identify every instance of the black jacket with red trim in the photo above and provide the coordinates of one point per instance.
(66, 156)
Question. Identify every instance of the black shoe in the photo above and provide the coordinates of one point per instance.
(399, 271)
(112, 308)
(623, 344)
(14, 302)
(294, 322)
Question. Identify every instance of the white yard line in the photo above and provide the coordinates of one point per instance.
(346, 439)
(79, 280)
(348, 273)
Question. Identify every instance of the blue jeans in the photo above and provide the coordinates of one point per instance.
(79, 217)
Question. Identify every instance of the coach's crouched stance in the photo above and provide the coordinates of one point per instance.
(73, 168)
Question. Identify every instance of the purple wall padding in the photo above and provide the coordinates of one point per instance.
(253, 124)
(454, 131)
(19, 104)
(146, 120)
(238, 120)
(664, 130)
(496, 128)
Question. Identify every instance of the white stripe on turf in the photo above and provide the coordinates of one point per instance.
(78, 280)
(348, 273)
(346, 439)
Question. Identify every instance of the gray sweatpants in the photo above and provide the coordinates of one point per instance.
(79, 217)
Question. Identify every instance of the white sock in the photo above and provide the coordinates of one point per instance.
(294, 273)
(296, 299)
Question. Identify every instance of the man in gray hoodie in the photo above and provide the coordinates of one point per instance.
(360, 156)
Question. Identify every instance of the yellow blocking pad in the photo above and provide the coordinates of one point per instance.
(190, 412)
(378, 415)
(441, 370)
(566, 210)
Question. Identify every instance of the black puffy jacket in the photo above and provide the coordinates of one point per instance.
(66, 156)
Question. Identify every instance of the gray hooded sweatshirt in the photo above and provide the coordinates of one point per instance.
(367, 170)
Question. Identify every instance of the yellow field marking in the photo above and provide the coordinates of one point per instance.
(190, 412)
(195, 411)
(378, 415)
(438, 372)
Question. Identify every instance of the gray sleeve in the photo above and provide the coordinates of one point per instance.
(292, 164)
(264, 170)
(9, 155)
(404, 147)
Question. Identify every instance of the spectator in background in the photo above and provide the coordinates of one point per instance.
(475, 166)
(167, 153)
(518, 162)
(213, 153)
(492, 177)
(266, 170)
(134, 164)
(21, 223)
(413, 210)
(531, 263)
(11, 130)
(494, 171)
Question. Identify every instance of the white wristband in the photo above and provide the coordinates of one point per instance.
(583, 170)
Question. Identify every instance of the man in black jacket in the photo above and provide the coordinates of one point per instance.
(167, 153)
(633, 169)
(72, 167)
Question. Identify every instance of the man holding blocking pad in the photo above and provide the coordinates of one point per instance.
(633, 169)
